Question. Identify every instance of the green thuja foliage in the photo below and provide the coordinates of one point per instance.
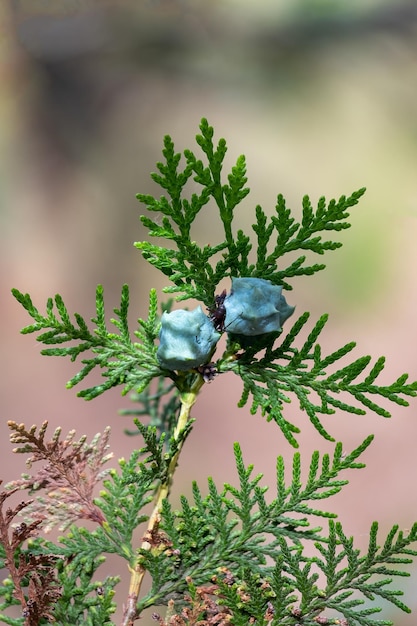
(245, 553)
(132, 364)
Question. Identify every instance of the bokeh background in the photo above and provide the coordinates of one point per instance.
(321, 97)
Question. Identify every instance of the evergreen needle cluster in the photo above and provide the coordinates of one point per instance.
(242, 554)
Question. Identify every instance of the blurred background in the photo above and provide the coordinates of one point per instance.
(322, 99)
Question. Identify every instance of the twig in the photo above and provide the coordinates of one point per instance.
(138, 572)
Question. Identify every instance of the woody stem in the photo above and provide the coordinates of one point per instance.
(138, 571)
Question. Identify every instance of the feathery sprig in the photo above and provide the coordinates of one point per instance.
(279, 373)
(196, 271)
(236, 527)
(63, 487)
(123, 362)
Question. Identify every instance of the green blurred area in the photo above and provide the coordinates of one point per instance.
(320, 95)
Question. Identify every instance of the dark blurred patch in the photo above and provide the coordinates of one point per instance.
(80, 65)
(83, 58)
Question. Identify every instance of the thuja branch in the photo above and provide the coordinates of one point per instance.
(272, 378)
(230, 528)
(121, 360)
(152, 539)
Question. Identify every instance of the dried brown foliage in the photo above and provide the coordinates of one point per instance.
(65, 482)
(33, 575)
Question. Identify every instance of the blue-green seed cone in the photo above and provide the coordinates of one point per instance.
(255, 306)
(186, 339)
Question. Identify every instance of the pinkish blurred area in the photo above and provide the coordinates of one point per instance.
(322, 99)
